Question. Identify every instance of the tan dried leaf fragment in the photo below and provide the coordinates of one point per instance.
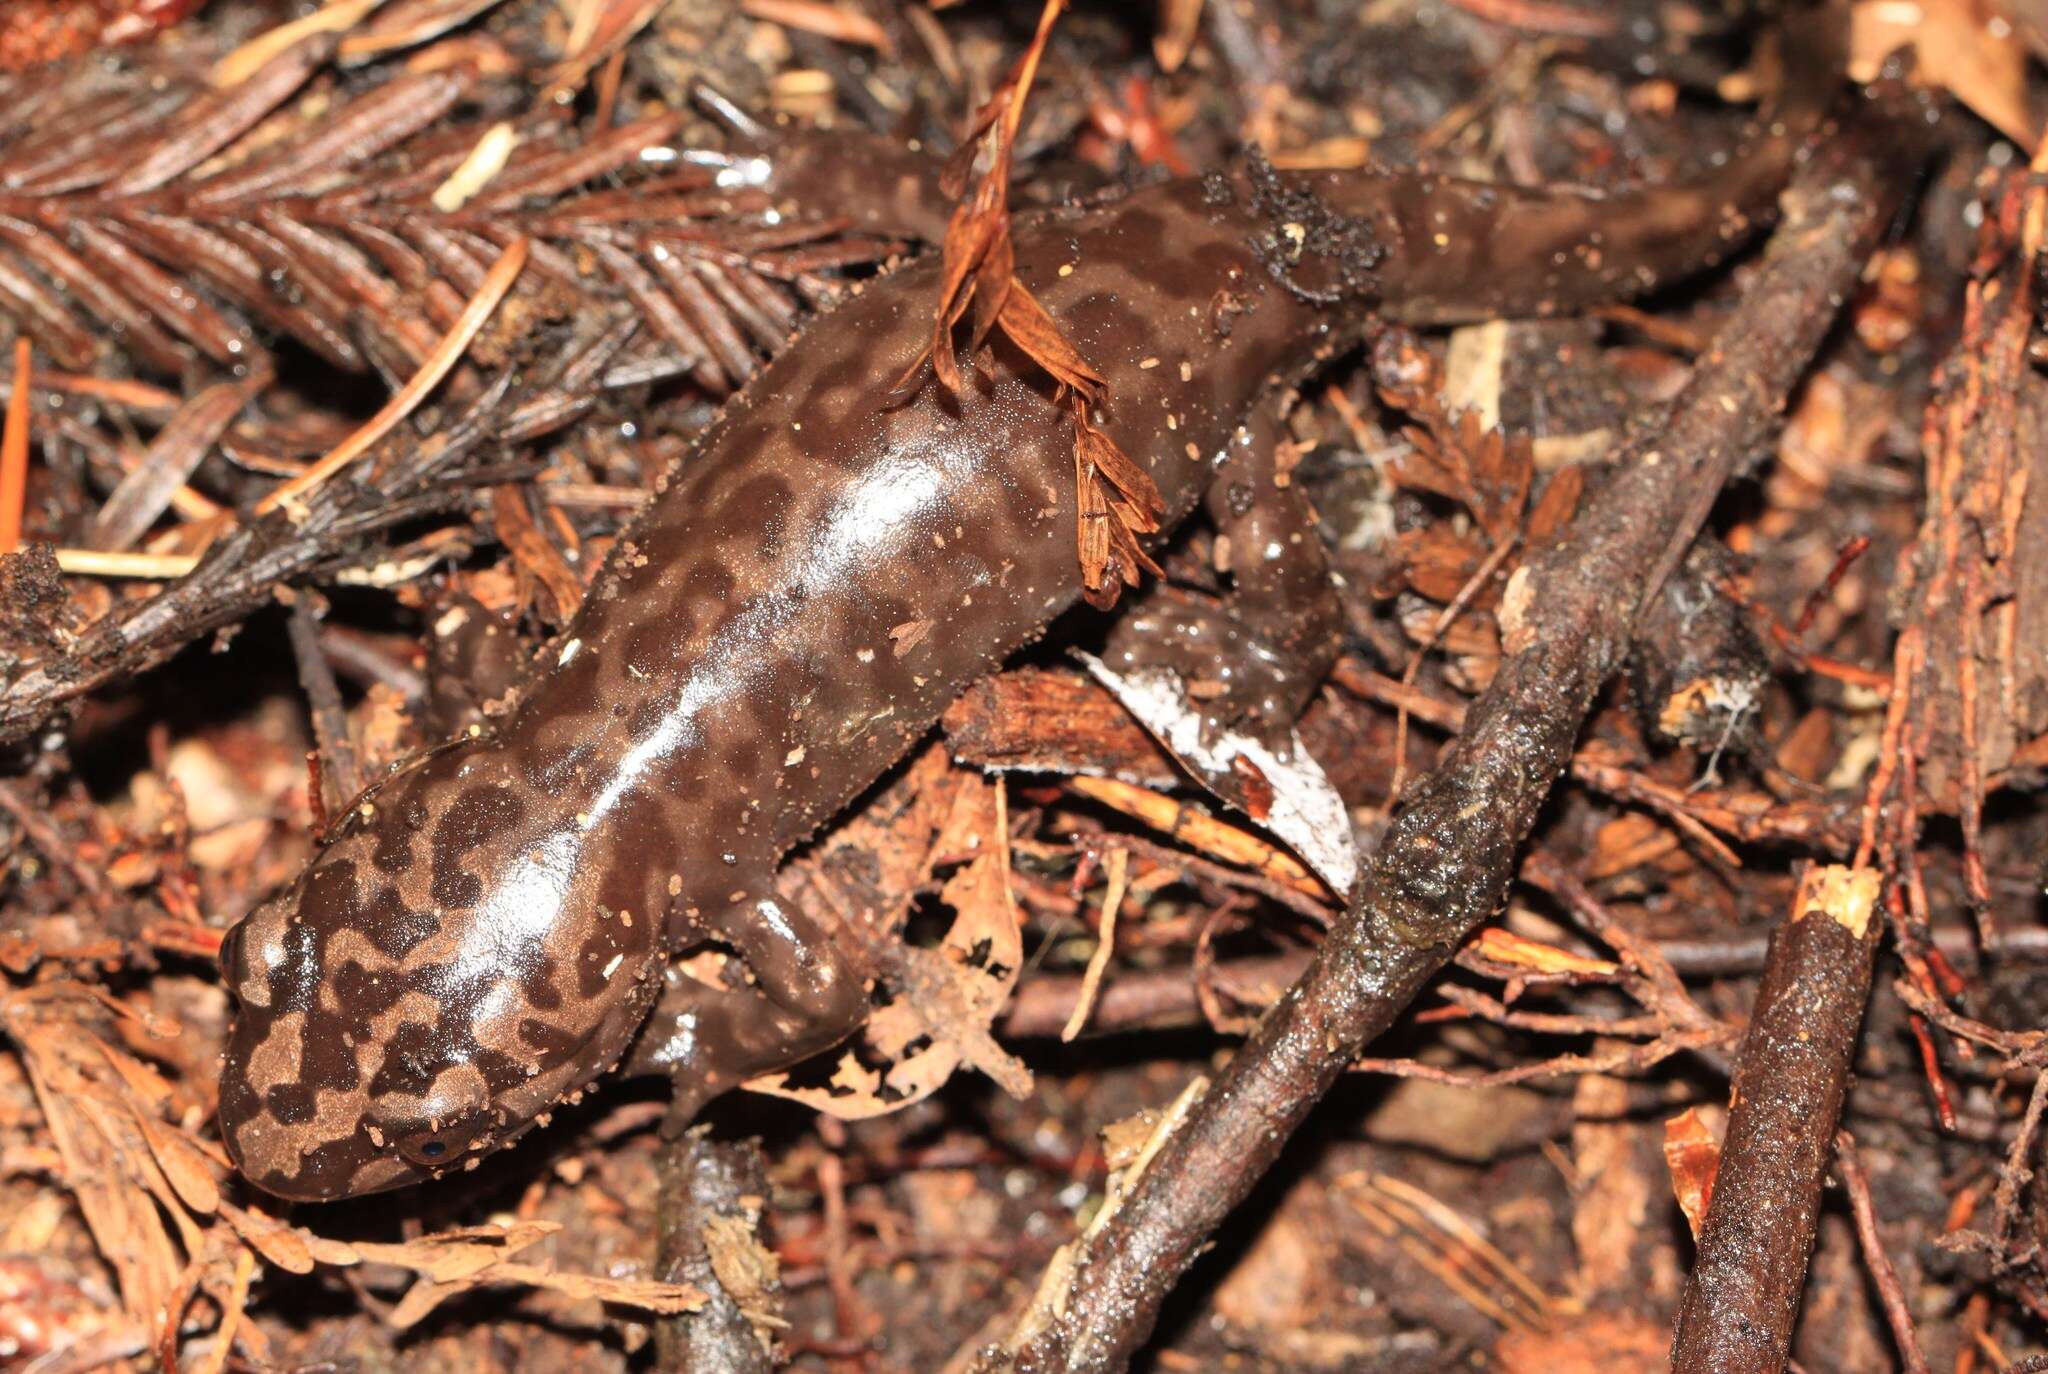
(1692, 1152)
(946, 998)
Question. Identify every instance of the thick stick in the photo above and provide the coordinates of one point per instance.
(1447, 858)
(707, 1183)
(1742, 1298)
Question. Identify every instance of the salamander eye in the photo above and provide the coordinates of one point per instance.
(230, 947)
(437, 1149)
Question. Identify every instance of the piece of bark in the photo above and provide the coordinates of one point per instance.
(1054, 721)
(1977, 583)
(1742, 1297)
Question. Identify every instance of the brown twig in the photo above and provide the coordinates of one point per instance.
(1660, 989)
(1718, 956)
(1741, 1300)
(2017, 1174)
(1446, 861)
(1882, 1273)
(1167, 998)
(1619, 1058)
(1152, 998)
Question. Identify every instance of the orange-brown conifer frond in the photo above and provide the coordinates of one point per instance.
(1116, 500)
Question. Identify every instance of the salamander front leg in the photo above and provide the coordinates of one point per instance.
(792, 992)
(1222, 683)
(1253, 660)
(1282, 597)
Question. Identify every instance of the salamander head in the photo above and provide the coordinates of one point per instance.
(443, 974)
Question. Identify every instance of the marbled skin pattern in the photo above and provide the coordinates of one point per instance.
(489, 927)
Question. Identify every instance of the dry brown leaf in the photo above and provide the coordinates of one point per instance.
(452, 1262)
(1627, 841)
(977, 253)
(1437, 560)
(994, 300)
(451, 1256)
(912, 1067)
(143, 1186)
(1117, 502)
(189, 1172)
(84, 1105)
(534, 554)
(1503, 469)
(857, 1090)
(1259, 793)
(964, 826)
(949, 996)
(189, 1169)
(1132, 482)
(278, 1244)
(666, 1298)
(980, 276)
(1092, 538)
(932, 813)
(1458, 457)
(1421, 469)
(234, 1309)
(969, 234)
(1962, 46)
(1556, 507)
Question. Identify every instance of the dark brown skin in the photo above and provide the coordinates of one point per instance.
(490, 927)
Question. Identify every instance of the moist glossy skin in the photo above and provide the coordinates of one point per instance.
(820, 575)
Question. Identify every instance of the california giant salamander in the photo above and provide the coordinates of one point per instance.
(488, 928)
